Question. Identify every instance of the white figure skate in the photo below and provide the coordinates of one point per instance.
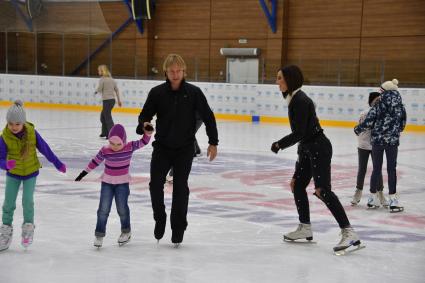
(382, 199)
(98, 241)
(350, 242)
(373, 201)
(124, 238)
(6, 232)
(27, 234)
(303, 231)
(395, 204)
(357, 197)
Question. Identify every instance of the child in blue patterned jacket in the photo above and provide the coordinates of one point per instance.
(387, 120)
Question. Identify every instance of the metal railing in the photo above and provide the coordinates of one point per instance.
(65, 54)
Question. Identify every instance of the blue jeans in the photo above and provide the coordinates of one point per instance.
(377, 160)
(107, 193)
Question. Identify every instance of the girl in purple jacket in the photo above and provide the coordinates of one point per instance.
(18, 144)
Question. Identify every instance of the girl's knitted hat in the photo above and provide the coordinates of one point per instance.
(117, 134)
(389, 85)
(16, 113)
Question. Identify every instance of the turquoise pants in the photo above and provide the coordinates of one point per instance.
(11, 193)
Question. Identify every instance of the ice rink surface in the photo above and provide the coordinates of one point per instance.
(240, 205)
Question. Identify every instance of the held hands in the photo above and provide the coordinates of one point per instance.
(81, 176)
(275, 147)
(212, 152)
(148, 128)
(10, 164)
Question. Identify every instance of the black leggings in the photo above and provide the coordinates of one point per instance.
(106, 116)
(361, 171)
(314, 160)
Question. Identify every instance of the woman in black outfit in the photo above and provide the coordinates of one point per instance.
(314, 159)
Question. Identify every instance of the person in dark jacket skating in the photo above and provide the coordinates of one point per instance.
(176, 104)
(386, 119)
(314, 160)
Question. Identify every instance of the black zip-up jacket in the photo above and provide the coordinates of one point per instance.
(176, 113)
(304, 123)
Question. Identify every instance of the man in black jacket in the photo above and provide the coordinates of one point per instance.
(176, 104)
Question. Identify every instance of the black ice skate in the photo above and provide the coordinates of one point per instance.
(177, 237)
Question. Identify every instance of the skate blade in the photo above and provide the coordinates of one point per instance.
(349, 250)
(372, 207)
(395, 210)
(5, 249)
(176, 245)
(299, 241)
(123, 243)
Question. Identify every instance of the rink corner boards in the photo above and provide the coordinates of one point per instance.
(219, 116)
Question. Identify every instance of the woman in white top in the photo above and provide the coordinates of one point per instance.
(109, 90)
(364, 149)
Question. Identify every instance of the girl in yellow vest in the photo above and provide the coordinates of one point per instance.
(18, 144)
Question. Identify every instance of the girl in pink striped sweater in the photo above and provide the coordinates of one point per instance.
(115, 180)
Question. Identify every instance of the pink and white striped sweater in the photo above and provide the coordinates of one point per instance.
(117, 163)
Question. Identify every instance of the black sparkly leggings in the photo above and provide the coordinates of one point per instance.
(314, 160)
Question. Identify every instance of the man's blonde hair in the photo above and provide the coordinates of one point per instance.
(104, 70)
(173, 59)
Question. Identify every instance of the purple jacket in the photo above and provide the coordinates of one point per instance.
(42, 147)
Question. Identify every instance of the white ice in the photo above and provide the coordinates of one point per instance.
(240, 205)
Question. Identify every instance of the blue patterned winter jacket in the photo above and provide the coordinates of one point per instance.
(386, 119)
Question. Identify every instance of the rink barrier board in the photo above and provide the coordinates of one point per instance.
(336, 106)
(228, 117)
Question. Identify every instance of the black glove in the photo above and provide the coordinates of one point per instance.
(275, 147)
(139, 129)
(148, 128)
(81, 176)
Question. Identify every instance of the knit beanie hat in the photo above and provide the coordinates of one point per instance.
(117, 134)
(372, 97)
(389, 85)
(16, 113)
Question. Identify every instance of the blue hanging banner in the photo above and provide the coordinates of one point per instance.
(271, 17)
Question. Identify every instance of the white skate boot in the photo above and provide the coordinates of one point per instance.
(373, 201)
(349, 238)
(6, 232)
(169, 179)
(27, 234)
(395, 204)
(302, 232)
(124, 238)
(98, 241)
(382, 199)
(357, 197)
